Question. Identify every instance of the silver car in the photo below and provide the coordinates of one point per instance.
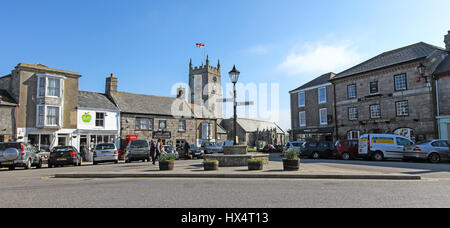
(138, 150)
(170, 150)
(19, 154)
(106, 152)
(434, 151)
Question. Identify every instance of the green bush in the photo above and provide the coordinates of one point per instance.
(210, 161)
(255, 160)
(167, 157)
(292, 154)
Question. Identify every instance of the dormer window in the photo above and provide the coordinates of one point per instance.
(50, 86)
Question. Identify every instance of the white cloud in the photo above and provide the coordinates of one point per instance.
(319, 59)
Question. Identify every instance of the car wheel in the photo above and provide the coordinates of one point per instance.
(116, 162)
(95, 163)
(315, 155)
(39, 165)
(434, 158)
(378, 156)
(50, 166)
(346, 156)
(12, 168)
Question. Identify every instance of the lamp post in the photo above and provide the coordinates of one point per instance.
(421, 69)
(234, 77)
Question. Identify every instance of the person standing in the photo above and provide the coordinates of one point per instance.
(84, 150)
(186, 151)
(153, 151)
(158, 149)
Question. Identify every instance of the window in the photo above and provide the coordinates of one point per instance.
(100, 119)
(52, 116)
(375, 111)
(373, 88)
(53, 88)
(322, 95)
(402, 108)
(400, 82)
(42, 86)
(302, 119)
(206, 130)
(353, 114)
(353, 135)
(144, 124)
(403, 142)
(182, 125)
(351, 91)
(301, 99)
(41, 115)
(323, 116)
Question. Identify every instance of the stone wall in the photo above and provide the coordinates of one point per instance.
(7, 122)
(444, 96)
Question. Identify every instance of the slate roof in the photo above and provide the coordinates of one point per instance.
(324, 79)
(147, 104)
(390, 58)
(220, 129)
(6, 98)
(93, 100)
(254, 125)
(444, 66)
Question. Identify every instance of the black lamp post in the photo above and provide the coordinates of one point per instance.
(234, 77)
(421, 69)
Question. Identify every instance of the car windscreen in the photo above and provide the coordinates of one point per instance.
(138, 144)
(105, 147)
(4, 146)
(423, 143)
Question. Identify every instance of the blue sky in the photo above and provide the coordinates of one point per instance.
(148, 44)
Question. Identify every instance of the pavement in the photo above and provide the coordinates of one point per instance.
(309, 169)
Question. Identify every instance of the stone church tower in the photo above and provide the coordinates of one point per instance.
(205, 85)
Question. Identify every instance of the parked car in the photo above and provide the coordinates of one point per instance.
(384, 146)
(170, 150)
(297, 145)
(138, 150)
(64, 155)
(211, 148)
(106, 152)
(316, 150)
(434, 151)
(346, 149)
(196, 152)
(18, 154)
(269, 148)
(224, 143)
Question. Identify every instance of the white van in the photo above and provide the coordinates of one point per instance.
(384, 146)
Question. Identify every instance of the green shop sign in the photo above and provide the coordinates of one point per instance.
(86, 117)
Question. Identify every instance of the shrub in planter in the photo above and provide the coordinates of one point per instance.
(255, 164)
(210, 165)
(166, 162)
(291, 162)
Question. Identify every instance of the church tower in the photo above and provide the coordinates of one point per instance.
(205, 93)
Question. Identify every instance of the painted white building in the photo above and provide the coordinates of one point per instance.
(98, 120)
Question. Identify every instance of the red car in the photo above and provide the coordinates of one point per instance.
(346, 149)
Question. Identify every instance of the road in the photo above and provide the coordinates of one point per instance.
(36, 188)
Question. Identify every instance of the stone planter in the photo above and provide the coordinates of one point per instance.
(211, 166)
(166, 165)
(255, 165)
(291, 165)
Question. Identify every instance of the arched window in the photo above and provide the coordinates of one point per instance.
(406, 132)
(353, 134)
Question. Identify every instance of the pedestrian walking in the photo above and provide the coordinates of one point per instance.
(186, 151)
(153, 151)
(159, 149)
(84, 151)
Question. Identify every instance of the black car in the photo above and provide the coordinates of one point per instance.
(64, 155)
(317, 149)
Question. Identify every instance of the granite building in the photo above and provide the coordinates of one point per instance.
(387, 94)
(442, 88)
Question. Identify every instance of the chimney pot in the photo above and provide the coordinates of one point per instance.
(447, 41)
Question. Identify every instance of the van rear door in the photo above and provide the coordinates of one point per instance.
(363, 145)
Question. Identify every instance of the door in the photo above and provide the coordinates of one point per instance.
(402, 145)
(442, 148)
(63, 140)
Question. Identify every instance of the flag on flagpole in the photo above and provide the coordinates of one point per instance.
(200, 45)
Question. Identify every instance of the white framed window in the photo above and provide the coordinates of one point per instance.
(302, 119)
(50, 86)
(100, 119)
(182, 125)
(301, 99)
(402, 108)
(322, 95)
(353, 113)
(353, 134)
(206, 130)
(375, 111)
(144, 124)
(400, 82)
(351, 91)
(48, 116)
(323, 116)
(373, 88)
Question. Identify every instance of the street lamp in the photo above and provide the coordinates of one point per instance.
(234, 77)
(421, 69)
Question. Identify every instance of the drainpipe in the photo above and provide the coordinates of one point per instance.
(437, 107)
(335, 113)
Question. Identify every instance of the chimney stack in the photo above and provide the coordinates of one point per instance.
(181, 93)
(447, 41)
(111, 85)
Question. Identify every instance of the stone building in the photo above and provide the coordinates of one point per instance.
(387, 94)
(8, 109)
(312, 110)
(154, 117)
(442, 88)
(251, 132)
(47, 99)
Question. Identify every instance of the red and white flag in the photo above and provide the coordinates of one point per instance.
(200, 45)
